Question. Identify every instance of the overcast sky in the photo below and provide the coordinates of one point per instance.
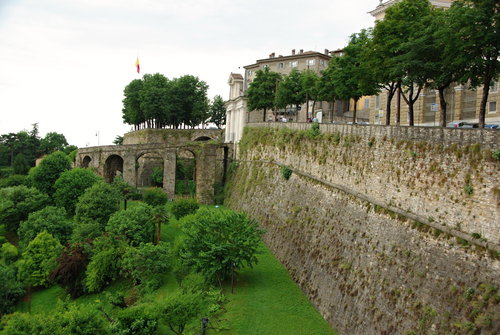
(64, 63)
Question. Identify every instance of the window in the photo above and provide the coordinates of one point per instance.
(367, 104)
(492, 107)
(294, 63)
(249, 72)
(311, 62)
(281, 65)
(322, 62)
(377, 102)
(494, 87)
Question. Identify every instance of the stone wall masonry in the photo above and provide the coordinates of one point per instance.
(170, 136)
(447, 176)
(365, 271)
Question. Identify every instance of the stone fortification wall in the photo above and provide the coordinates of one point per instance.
(368, 269)
(171, 137)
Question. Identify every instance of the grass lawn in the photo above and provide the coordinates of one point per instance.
(265, 300)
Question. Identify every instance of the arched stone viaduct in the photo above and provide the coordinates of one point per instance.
(108, 161)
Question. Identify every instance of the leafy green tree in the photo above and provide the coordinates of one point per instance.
(138, 320)
(350, 75)
(125, 189)
(476, 23)
(262, 91)
(11, 289)
(146, 265)
(20, 164)
(326, 90)
(189, 102)
(118, 140)
(44, 176)
(70, 270)
(17, 202)
(136, 224)
(132, 111)
(97, 203)
(71, 185)
(184, 206)
(217, 112)
(290, 91)
(104, 265)
(220, 242)
(310, 85)
(51, 219)
(154, 100)
(180, 309)
(39, 259)
(160, 217)
(155, 196)
(53, 142)
(9, 253)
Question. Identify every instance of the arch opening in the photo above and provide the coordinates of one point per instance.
(185, 173)
(86, 161)
(149, 170)
(113, 167)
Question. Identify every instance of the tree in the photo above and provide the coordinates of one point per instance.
(146, 265)
(118, 140)
(135, 225)
(189, 102)
(182, 207)
(132, 111)
(71, 185)
(44, 176)
(20, 164)
(290, 91)
(327, 88)
(11, 290)
(39, 259)
(53, 142)
(70, 270)
(49, 219)
(310, 85)
(349, 73)
(180, 309)
(220, 242)
(261, 92)
(138, 320)
(154, 100)
(155, 196)
(97, 204)
(17, 202)
(476, 23)
(217, 112)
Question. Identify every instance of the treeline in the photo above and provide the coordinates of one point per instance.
(415, 46)
(18, 151)
(157, 102)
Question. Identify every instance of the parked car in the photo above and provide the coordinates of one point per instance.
(491, 126)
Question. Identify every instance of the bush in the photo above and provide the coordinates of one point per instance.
(137, 320)
(11, 288)
(70, 270)
(146, 265)
(13, 180)
(157, 176)
(180, 309)
(9, 253)
(50, 219)
(286, 172)
(183, 207)
(136, 224)
(6, 172)
(496, 155)
(155, 196)
(45, 175)
(17, 202)
(71, 185)
(20, 165)
(39, 259)
(314, 131)
(97, 204)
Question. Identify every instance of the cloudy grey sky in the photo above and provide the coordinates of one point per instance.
(65, 63)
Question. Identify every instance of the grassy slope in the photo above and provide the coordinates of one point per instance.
(266, 300)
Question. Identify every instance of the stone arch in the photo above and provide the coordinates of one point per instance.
(86, 161)
(185, 172)
(148, 163)
(203, 138)
(112, 167)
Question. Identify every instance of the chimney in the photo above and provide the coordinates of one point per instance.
(301, 51)
(293, 52)
(272, 55)
(327, 51)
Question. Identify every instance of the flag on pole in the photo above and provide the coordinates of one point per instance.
(137, 65)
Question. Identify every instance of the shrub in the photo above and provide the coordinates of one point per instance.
(17, 202)
(20, 165)
(183, 207)
(137, 320)
(136, 224)
(39, 259)
(286, 172)
(155, 196)
(180, 309)
(97, 204)
(146, 265)
(6, 172)
(314, 131)
(496, 155)
(9, 253)
(70, 270)
(157, 176)
(13, 180)
(468, 189)
(44, 176)
(11, 288)
(50, 219)
(71, 185)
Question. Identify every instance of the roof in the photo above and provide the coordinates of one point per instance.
(236, 76)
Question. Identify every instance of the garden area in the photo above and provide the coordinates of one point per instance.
(78, 256)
